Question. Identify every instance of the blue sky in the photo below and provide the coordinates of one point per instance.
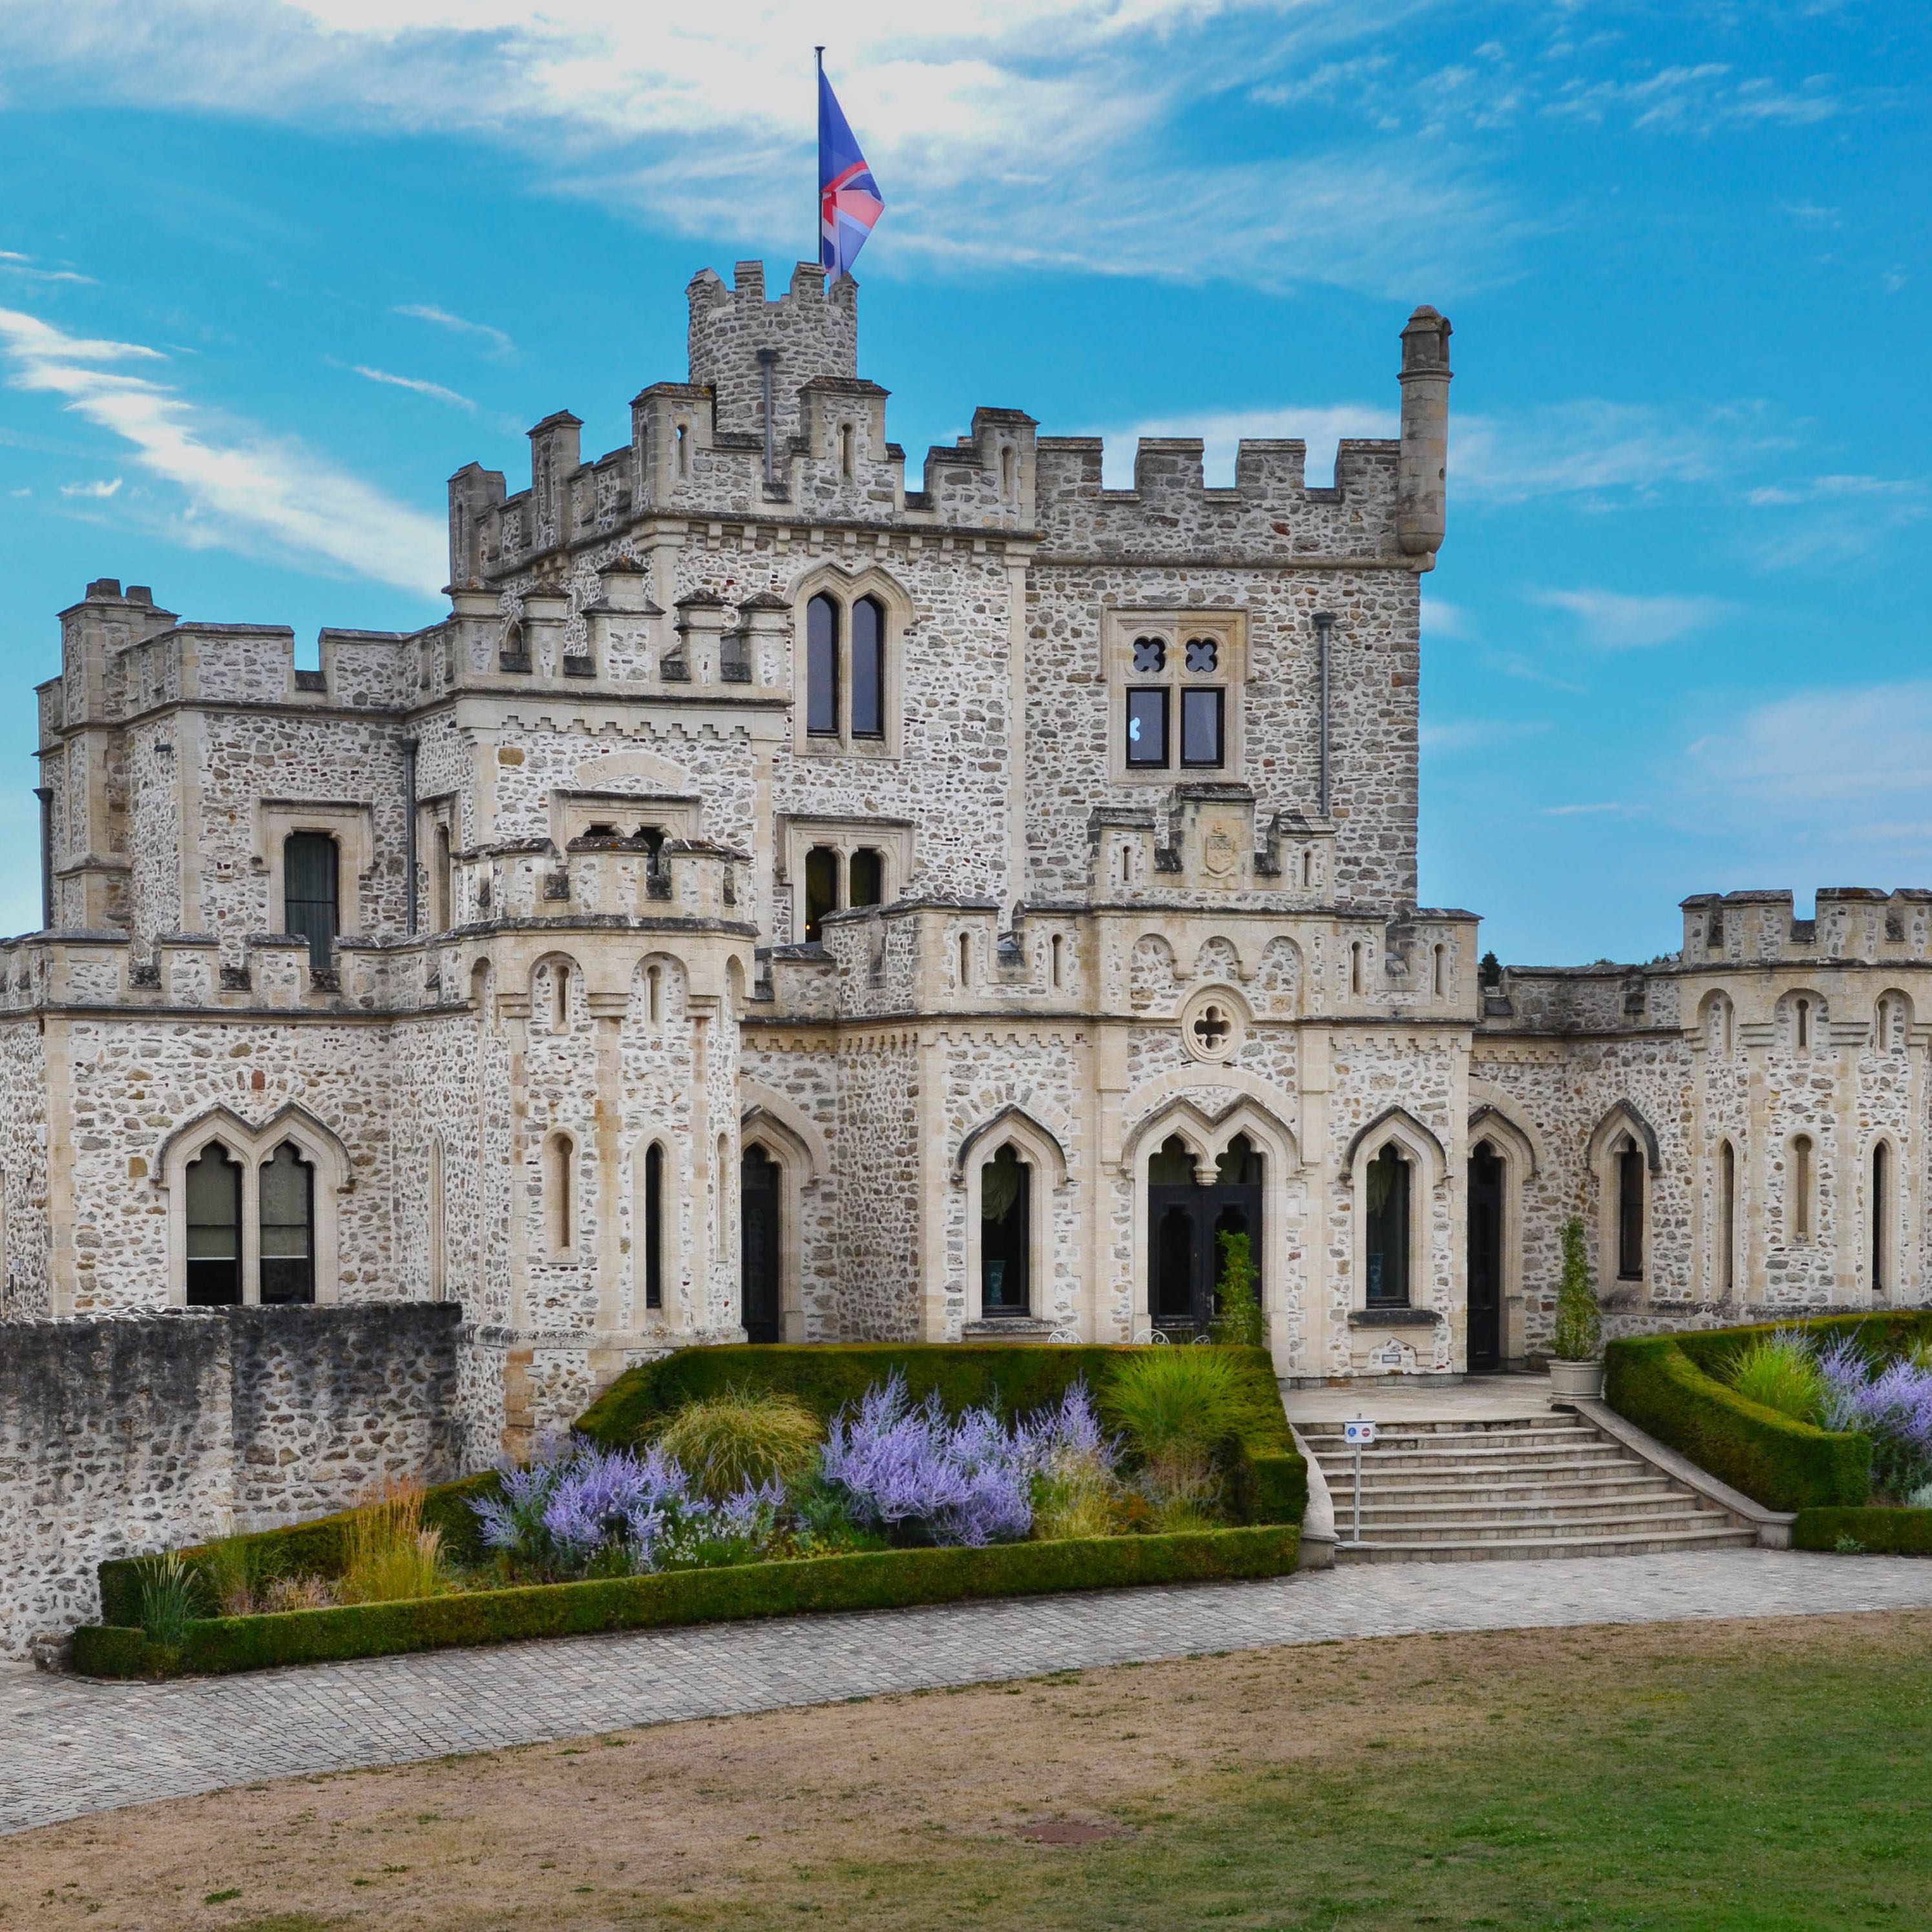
(269, 273)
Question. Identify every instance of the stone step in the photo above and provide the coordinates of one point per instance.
(1405, 1522)
(1613, 1483)
(1331, 1435)
(1457, 1550)
(1481, 1468)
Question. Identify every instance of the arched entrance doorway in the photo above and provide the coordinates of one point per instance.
(759, 1179)
(1486, 1259)
(1185, 1223)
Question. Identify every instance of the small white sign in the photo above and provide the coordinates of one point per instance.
(1358, 1435)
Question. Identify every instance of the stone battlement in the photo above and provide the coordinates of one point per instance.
(1850, 923)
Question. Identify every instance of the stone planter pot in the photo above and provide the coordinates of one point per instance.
(1576, 1381)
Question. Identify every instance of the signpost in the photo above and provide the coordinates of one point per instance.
(1358, 1435)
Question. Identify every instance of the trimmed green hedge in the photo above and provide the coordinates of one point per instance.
(1672, 1386)
(1268, 1479)
(866, 1580)
(1883, 1532)
(312, 1549)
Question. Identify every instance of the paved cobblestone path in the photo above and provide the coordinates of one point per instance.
(69, 1745)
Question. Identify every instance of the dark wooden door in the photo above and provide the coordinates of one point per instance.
(758, 1221)
(1184, 1225)
(1486, 1260)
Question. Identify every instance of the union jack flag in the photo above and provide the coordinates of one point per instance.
(849, 200)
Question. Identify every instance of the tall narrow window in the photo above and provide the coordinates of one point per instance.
(214, 1183)
(1056, 948)
(1147, 727)
(1800, 1188)
(1201, 715)
(1630, 1210)
(1009, 472)
(1355, 968)
(560, 1185)
(654, 1164)
(1005, 1236)
(309, 868)
(287, 1184)
(1803, 1012)
(821, 889)
(683, 452)
(1388, 1245)
(1727, 1220)
(868, 669)
(1442, 972)
(821, 668)
(866, 877)
(445, 896)
(845, 450)
(1881, 1218)
(965, 960)
(559, 991)
(438, 1226)
(654, 993)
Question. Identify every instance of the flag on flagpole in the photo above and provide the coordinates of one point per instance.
(849, 200)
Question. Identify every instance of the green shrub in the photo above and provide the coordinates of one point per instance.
(1239, 1322)
(1779, 1371)
(1874, 1530)
(1075, 1494)
(745, 1437)
(1578, 1336)
(167, 1597)
(870, 1580)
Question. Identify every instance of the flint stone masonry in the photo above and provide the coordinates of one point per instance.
(130, 1433)
(601, 765)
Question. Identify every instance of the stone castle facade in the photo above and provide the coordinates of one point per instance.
(777, 902)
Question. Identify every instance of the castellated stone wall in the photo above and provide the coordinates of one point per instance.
(814, 331)
(127, 1434)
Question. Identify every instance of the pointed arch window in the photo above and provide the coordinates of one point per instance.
(287, 1184)
(848, 668)
(213, 1229)
(1006, 1203)
(1629, 1179)
(1388, 1216)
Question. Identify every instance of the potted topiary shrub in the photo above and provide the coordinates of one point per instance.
(1577, 1348)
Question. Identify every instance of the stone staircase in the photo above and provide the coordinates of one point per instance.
(1543, 1485)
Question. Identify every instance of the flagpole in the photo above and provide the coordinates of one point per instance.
(818, 198)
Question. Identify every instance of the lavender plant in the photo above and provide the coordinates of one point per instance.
(1891, 1402)
(921, 1478)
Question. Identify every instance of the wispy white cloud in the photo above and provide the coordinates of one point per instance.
(1698, 99)
(1614, 621)
(1443, 619)
(435, 390)
(99, 490)
(458, 325)
(1002, 132)
(1826, 771)
(1608, 805)
(1479, 734)
(27, 267)
(240, 489)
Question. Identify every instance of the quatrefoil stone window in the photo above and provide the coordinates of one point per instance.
(1204, 655)
(1150, 656)
(1211, 1026)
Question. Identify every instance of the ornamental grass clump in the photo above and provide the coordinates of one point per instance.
(166, 1597)
(1780, 1371)
(1076, 1483)
(744, 1439)
(388, 1556)
(917, 1476)
(1180, 1407)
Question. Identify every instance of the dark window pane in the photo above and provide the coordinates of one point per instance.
(1150, 656)
(654, 1226)
(1147, 727)
(821, 667)
(1004, 1204)
(821, 888)
(1387, 1231)
(309, 892)
(868, 670)
(1204, 655)
(288, 1227)
(213, 1230)
(867, 878)
(1630, 1214)
(1200, 727)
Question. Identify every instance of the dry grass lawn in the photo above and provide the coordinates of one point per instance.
(1768, 1775)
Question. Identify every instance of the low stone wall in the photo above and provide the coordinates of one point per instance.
(130, 1433)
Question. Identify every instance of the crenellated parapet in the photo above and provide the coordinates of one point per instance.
(1850, 923)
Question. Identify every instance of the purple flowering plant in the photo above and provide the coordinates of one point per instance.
(1889, 1402)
